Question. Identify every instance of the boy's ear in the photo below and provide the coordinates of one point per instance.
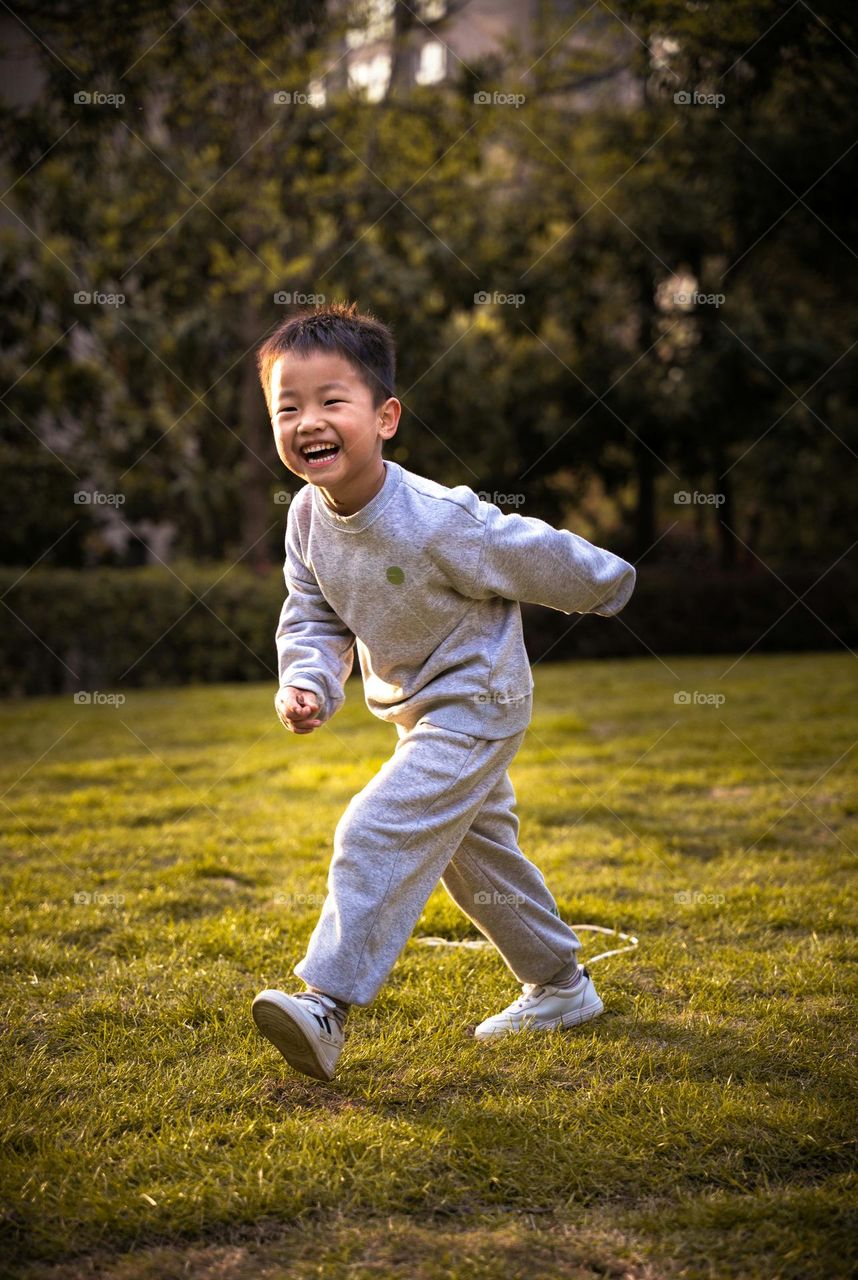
(389, 418)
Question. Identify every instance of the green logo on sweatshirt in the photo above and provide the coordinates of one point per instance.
(395, 575)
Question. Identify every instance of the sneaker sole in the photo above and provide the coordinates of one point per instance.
(289, 1038)
(583, 1015)
(576, 1019)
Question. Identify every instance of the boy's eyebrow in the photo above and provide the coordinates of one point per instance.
(325, 386)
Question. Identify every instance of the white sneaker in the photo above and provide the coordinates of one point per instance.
(544, 1008)
(302, 1028)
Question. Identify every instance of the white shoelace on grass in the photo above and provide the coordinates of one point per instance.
(481, 943)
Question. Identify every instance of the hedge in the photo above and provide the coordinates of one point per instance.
(104, 629)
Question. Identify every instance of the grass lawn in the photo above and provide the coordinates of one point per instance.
(700, 1128)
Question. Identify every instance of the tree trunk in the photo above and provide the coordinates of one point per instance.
(725, 516)
(645, 508)
(259, 464)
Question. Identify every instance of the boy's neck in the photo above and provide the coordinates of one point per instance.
(354, 496)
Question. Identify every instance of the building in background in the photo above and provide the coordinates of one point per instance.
(431, 42)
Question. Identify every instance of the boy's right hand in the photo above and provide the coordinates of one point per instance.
(296, 709)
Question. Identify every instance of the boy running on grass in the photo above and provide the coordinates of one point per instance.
(425, 581)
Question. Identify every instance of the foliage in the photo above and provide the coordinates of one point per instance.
(200, 198)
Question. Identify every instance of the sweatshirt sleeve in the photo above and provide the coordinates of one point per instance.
(528, 560)
(315, 648)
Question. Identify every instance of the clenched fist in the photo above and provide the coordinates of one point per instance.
(296, 709)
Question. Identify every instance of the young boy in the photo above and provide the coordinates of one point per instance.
(424, 581)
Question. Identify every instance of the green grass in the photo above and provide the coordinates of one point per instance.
(700, 1128)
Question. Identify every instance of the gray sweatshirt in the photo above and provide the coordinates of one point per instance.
(425, 582)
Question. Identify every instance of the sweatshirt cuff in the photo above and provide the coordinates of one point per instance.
(621, 596)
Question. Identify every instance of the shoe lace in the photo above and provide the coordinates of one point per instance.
(527, 991)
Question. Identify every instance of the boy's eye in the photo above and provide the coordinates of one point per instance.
(290, 408)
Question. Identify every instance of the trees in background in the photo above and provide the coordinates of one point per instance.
(685, 267)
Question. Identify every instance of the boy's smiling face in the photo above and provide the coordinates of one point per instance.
(320, 400)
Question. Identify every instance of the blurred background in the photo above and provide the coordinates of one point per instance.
(616, 246)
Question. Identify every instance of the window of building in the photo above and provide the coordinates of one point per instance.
(432, 66)
(371, 75)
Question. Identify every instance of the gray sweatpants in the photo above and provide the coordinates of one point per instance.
(440, 808)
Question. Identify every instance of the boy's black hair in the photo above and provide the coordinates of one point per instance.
(338, 327)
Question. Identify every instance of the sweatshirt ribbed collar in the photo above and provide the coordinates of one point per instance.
(362, 519)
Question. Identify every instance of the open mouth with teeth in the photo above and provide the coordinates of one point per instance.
(319, 455)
